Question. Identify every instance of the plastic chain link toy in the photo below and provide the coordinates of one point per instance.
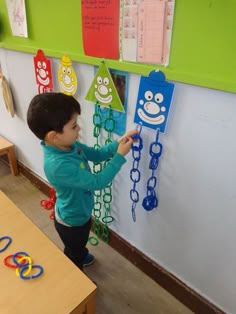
(49, 204)
(103, 93)
(150, 201)
(152, 109)
(8, 260)
(8, 242)
(109, 126)
(24, 265)
(106, 194)
(21, 262)
(97, 167)
(136, 147)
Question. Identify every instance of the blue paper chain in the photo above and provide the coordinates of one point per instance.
(150, 201)
(134, 172)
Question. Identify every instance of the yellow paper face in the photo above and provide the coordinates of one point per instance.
(66, 77)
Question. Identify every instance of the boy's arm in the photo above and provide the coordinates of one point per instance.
(70, 175)
(106, 151)
(101, 154)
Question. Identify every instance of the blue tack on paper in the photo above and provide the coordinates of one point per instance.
(153, 102)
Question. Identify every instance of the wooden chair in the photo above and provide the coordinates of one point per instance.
(7, 147)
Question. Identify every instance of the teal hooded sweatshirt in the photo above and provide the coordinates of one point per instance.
(70, 174)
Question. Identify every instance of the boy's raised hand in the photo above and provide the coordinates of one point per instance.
(125, 142)
(125, 145)
(127, 135)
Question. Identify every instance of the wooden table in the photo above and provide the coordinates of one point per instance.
(7, 148)
(62, 288)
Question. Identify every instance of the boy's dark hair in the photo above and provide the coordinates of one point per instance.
(50, 112)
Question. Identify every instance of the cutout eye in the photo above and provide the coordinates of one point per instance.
(39, 65)
(148, 95)
(69, 71)
(159, 98)
(106, 80)
(44, 65)
(63, 70)
(99, 80)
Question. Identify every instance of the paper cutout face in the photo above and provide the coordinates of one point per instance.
(43, 72)
(66, 77)
(102, 90)
(120, 80)
(154, 99)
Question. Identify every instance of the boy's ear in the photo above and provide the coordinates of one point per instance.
(51, 136)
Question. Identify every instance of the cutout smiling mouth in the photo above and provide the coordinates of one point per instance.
(105, 100)
(150, 120)
(67, 89)
(43, 81)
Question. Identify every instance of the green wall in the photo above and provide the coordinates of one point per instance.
(203, 39)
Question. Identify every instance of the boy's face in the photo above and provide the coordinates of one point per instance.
(70, 133)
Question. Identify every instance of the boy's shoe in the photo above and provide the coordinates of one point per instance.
(89, 260)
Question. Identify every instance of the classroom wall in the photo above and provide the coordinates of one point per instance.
(192, 233)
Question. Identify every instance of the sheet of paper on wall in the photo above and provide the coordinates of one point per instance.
(147, 30)
(100, 28)
(129, 30)
(17, 17)
(151, 31)
(169, 17)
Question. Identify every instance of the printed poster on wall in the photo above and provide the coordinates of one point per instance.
(100, 28)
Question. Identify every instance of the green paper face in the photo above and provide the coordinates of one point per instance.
(102, 90)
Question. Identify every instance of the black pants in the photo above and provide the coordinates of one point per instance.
(75, 240)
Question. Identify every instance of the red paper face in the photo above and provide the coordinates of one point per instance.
(43, 72)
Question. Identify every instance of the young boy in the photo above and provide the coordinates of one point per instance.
(52, 117)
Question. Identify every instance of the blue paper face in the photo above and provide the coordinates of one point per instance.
(154, 99)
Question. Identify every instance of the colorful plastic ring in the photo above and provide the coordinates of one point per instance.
(7, 263)
(107, 219)
(7, 244)
(93, 240)
(14, 258)
(29, 265)
(24, 268)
